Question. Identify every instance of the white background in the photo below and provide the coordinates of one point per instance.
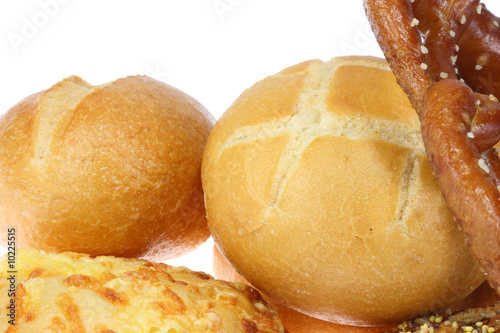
(210, 49)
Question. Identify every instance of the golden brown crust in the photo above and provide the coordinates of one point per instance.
(459, 146)
(111, 169)
(69, 293)
(319, 207)
(295, 322)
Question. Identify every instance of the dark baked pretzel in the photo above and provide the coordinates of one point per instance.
(445, 55)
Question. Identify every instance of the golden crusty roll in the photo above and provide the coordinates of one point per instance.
(319, 193)
(71, 292)
(105, 170)
(295, 322)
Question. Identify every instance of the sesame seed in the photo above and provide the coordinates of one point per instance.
(468, 328)
(454, 324)
(482, 165)
(424, 326)
(424, 49)
(482, 59)
(414, 22)
(452, 33)
(479, 8)
(491, 330)
(443, 75)
(462, 80)
(470, 135)
(432, 319)
(454, 59)
(423, 66)
(478, 67)
(478, 102)
(496, 23)
(463, 19)
(479, 324)
(456, 70)
(457, 48)
(492, 98)
(447, 322)
(498, 188)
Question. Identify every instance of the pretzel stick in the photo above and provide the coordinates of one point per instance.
(394, 21)
(453, 117)
(479, 53)
(486, 123)
(462, 174)
(442, 22)
(476, 54)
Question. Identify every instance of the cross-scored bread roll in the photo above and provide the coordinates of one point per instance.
(71, 292)
(106, 170)
(319, 193)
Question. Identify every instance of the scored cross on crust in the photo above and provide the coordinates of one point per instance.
(445, 55)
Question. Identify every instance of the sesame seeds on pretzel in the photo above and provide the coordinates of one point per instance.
(436, 49)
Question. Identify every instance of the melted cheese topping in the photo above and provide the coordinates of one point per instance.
(73, 292)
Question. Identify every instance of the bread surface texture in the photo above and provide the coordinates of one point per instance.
(482, 298)
(71, 292)
(105, 170)
(319, 193)
(482, 319)
(294, 321)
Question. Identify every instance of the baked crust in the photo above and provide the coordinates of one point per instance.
(112, 169)
(483, 300)
(319, 193)
(474, 320)
(71, 292)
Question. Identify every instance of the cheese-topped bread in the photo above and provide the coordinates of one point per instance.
(72, 292)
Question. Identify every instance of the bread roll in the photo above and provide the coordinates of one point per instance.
(318, 191)
(71, 292)
(296, 322)
(105, 170)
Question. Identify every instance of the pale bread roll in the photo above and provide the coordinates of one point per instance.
(71, 292)
(296, 322)
(319, 193)
(105, 170)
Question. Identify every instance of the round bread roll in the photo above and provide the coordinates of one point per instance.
(297, 322)
(71, 292)
(318, 191)
(294, 321)
(105, 170)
